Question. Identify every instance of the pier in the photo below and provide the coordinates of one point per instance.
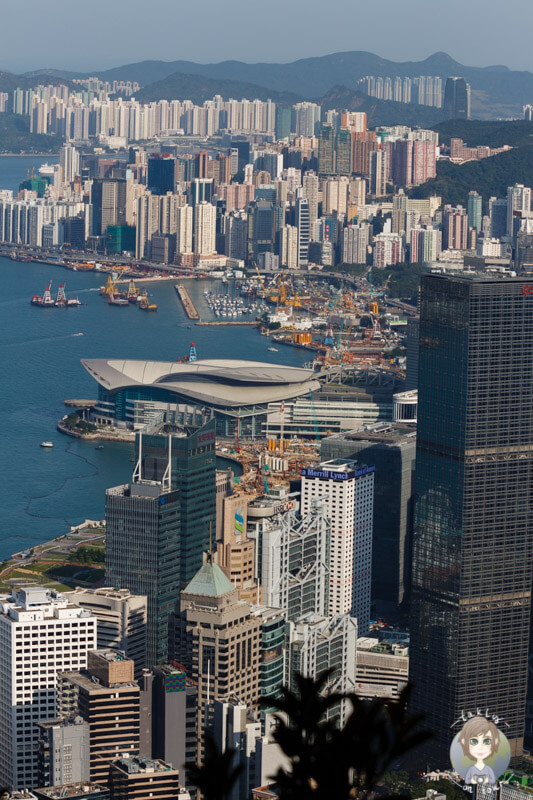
(188, 305)
(249, 323)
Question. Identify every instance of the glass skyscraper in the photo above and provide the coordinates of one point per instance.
(158, 527)
(472, 551)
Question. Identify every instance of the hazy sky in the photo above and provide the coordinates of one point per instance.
(71, 34)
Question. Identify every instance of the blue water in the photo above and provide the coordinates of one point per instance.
(14, 169)
(45, 491)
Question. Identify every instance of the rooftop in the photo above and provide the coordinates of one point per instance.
(138, 766)
(210, 581)
(71, 790)
(379, 432)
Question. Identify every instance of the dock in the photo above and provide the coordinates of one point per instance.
(187, 303)
(227, 322)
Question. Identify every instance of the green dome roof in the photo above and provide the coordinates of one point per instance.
(210, 581)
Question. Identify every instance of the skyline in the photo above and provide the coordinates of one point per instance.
(256, 35)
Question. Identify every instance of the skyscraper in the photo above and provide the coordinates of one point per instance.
(471, 584)
(343, 152)
(161, 173)
(378, 173)
(205, 221)
(158, 526)
(348, 489)
(326, 149)
(304, 231)
(457, 99)
(474, 207)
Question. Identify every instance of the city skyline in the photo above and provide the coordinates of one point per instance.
(256, 36)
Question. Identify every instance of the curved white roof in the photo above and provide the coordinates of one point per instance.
(216, 382)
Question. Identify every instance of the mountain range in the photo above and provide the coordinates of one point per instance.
(496, 89)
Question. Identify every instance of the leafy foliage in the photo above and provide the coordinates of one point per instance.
(404, 280)
(216, 777)
(89, 555)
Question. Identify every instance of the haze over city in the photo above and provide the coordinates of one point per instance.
(35, 35)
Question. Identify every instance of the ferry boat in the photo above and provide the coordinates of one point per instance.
(47, 444)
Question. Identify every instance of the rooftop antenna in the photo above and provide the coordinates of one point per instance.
(167, 477)
(137, 472)
(210, 554)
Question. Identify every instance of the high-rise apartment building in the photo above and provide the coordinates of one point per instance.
(108, 201)
(473, 551)
(518, 201)
(355, 241)
(41, 633)
(326, 149)
(343, 152)
(121, 620)
(455, 228)
(205, 222)
(348, 488)
(378, 166)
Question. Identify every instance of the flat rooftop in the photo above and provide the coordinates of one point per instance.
(380, 432)
(71, 790)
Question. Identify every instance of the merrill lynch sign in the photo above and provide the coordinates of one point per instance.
(327, 474)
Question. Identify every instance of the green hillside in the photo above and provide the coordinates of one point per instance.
(490, 177)
(15, 137)
(198, 88)
(493, 134)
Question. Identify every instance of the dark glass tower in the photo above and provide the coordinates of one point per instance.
(161, 173)
(456, 99)
(472, 550)
(158, 526)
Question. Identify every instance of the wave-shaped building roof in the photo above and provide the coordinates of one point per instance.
(225, 383)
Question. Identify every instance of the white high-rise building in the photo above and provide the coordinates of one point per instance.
(355, 243)
(310, 191)
(41, 634)
(304, 231)
(69, 161)
(205, 218)
(289, 247)
(518, 199)
(348, 488)
(184, 229)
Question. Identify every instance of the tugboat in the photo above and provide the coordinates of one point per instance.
(47, 444)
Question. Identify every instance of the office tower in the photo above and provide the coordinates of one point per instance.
(357, 191)
(121, 621)
(163, 248)
(158, 526)
(144, 779)
(293, 558)
(412, 339)
(310, 192)
(69, 161)
(217, 639)
(201, 191)
(174, 717)
(474, 210)
(528, 112)
(108, 200)
(283, 122)
(235, 552)
(343, 152)
(289, 247)
(455, 232)
(261, 229)
(472, 558)
(205, 220)
(161, 173)
(106, 696)
(347, 487)
(63, 751)
(518, 200)
(316, 643)
(326, 149)
(425, 245)
(41, 632)
(304, 231)
(523, 258)
(355, 241)
(498, 217)
(378, 165)
(391, 448)
(457, 99)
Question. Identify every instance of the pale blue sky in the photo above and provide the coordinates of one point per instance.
(71, 34)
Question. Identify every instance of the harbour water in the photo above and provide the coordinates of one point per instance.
(44, 491)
